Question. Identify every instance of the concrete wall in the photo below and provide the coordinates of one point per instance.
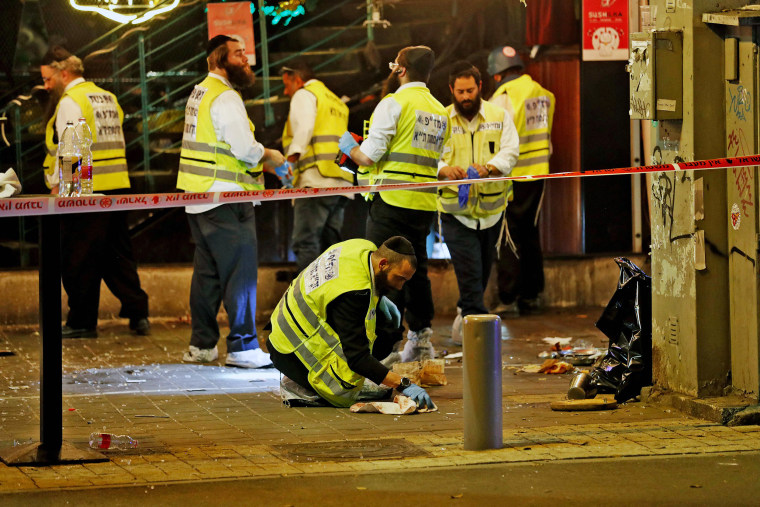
(584, 281)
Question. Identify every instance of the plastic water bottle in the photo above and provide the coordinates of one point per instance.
(69, 157)
(109, 441)
(85, 168)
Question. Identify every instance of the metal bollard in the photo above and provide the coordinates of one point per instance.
(482, 382)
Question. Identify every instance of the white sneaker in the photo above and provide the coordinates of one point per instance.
(196, 355)
(418, 346)
(254, 358)
(457, 329)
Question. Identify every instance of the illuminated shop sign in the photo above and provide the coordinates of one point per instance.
(126, 11)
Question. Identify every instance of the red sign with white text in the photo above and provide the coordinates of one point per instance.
(233, 19)
(605, 30)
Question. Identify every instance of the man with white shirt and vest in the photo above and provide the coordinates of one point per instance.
(407, 132)
(521, 271)
(95, 246)
(483, 143)
(220, 153)
(330, 327)
(316, 120)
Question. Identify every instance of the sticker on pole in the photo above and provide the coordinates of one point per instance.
(736, 216)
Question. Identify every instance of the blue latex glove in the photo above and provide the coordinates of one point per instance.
(347, 143)
(390, 311)
(282, 173)
(464, 189)
(419, 395)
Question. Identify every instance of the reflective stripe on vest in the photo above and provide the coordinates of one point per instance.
(534, 115)
(413, 153)
(299, 320)
(467, 148)
(330, 123)
(203, 158)
(109, 163)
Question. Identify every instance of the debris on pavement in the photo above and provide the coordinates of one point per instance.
(598, 403)
(429, 372)
(627, 322)
(556, 367)
(401, 405)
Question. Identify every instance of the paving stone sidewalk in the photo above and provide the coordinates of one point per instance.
(198, 423)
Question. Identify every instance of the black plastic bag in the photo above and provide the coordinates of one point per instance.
(627, 322)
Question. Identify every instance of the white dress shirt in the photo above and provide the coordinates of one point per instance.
(302, 117)
(68, 111)
(504, 160)
(384, 122)
(230, 120)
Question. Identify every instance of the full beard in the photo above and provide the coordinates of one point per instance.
(391, 84)
(468, 108)
(54, 96)
(240, 77)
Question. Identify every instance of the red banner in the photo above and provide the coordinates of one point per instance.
(605, 30)
(233, 19)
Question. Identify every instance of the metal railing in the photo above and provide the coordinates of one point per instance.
(136, 77)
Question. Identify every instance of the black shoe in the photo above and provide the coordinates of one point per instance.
(531, 306)
(70, 332)
(140, 326)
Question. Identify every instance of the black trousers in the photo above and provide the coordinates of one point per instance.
(95, 247)
(522, 278)
(472, 252)
(225, 269)
(415, 300)
(292, 367)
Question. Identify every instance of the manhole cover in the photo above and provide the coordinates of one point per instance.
(350, 450)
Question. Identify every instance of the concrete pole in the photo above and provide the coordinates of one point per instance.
(482, 382)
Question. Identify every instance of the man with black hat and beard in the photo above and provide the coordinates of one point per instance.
(220, 153)
(407, 132)
(483, 143)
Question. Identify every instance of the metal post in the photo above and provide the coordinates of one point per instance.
(268, 111)
(51, 421)
(23, 250)
(370, 26)
(144, 107)
(482, 382)
(51, 448)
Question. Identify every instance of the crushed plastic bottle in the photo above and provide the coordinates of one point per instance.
(85, 167)
(109, 441)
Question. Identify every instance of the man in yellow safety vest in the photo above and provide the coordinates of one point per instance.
(326, 333)
(95, 246)
(521, 271)
(483, 143)
(407, 132)
(220, 153)
(316, 120)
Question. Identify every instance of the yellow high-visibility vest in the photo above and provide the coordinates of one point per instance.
(299, 322)
(422, 130)
(331, 122)
(104, 116)
(203, 158)
(534, 114)
(487, 198)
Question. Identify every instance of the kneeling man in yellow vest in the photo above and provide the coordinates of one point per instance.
(326, 334)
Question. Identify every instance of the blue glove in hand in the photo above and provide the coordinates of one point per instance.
(282, 173)
(464, 189)
(390, 311)
(347, 143)
(419, 395)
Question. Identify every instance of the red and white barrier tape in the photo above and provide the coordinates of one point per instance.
(52, 205)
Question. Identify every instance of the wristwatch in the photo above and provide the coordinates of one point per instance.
(405, 382)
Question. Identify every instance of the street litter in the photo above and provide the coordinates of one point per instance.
(599, 403)
(401, 405)
(551, 340)
(627, 322)
(581, 353)
(429, 372)
(455, 355)
(551, 366)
